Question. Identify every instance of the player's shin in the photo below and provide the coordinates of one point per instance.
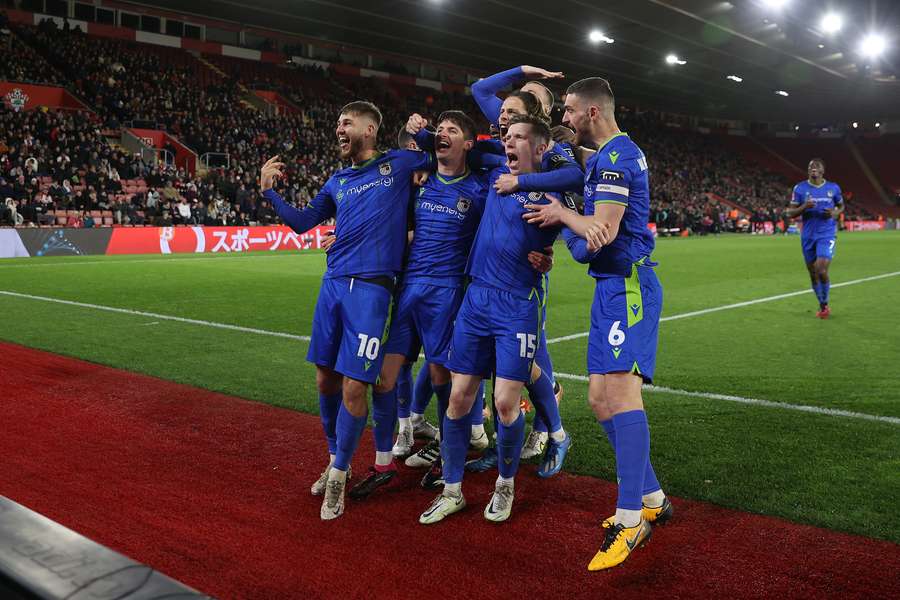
(349, 430)
(422, 392)
(632, 456)
(384, 414)
(544, 399)
(510, 438)
(404, 395)
(329, 404)
(442, 392)
(454, 445)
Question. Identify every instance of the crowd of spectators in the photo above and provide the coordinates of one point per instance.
(53, 161)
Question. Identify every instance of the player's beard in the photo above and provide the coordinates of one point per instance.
(354, 148)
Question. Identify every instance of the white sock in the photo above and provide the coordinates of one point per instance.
(330, 459)
(453, 489)
(405, 423)
(559, 436)
(628, 518)
(416, 418)
(654, 499)
(478, 430)
(383, 459)
(335, 474)
(507, 480)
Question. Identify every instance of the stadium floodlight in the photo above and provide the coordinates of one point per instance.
(855, 124)
(597, 36)
(782, 93)
(776, 4)
(735, 78)
(832, 23)
(872, 45)
(672, 59)
(877, 124)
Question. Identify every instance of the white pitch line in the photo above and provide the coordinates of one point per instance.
(705, 311)
(126, 311)
(819, 410)
(166, 260)
(304, 338)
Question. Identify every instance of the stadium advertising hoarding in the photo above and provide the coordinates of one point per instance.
(155, 240)
(864, 225)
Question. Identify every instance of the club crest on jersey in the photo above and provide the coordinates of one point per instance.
(535, 196)
(830, 193)
(463, 204)
(385, 168)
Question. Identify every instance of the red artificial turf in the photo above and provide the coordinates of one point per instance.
(214, 491)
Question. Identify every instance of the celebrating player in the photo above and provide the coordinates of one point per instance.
(615, 240)
(819, 202)
(498, 327)
(354, 301)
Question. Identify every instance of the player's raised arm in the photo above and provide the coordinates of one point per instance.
(485, 90)
(321, 208)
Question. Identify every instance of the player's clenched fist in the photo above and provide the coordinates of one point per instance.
(415, 123)
(270, 171)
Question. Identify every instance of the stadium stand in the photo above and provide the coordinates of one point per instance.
(63, 168)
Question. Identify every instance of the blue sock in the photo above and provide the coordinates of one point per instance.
(454, 446)
(651, 484)
(632, 456)
(443, 401)
(826, 290)
(509, 446)
(404, 389)
(817, 288)
(544, 401)
(384, 415)
(477, 411)
(328, 412)
(422, 391)
(349, 430)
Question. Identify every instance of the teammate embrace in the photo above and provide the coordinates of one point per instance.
(473, 291)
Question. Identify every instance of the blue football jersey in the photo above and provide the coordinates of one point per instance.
(370, 204)
(499, 257)
(816, 224)
(617, 174)
(447, 213)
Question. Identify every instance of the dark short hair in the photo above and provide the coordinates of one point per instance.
(461, 120)
(532, 104)
(404, 138)
(818, 160)
(539, 127)
(364, 108)
(594, 88)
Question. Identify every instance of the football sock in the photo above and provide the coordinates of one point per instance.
(653, 499)
(478, 406)
(443, 400)
(349, 430)
(626, 517)
(453, 489)
(632, 456)
(384, 461)
(509, 445)
(817, 289)
(454, 445)
(477, 430)
(328, 411)
(826, 290)
(541, 392)
(404, 390)
(405, 423)
(508, 480)
(421, 394)
(384, 415)
(651, 484)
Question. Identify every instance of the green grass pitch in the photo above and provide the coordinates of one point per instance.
(834, 471)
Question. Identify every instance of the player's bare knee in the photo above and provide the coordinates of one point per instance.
(355, 397)
(439, 374)
(327, 381)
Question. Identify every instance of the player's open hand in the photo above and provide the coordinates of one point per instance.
(538, 73)
(597, 236)
(545, 215)
(328, 241)
(270, 172)
(415, 123)
(828, 212)
(507, 183)
(809, 204)
(541, 262)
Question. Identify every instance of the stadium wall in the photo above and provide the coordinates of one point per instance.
(61, 241)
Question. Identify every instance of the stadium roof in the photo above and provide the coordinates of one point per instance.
(821, 76)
